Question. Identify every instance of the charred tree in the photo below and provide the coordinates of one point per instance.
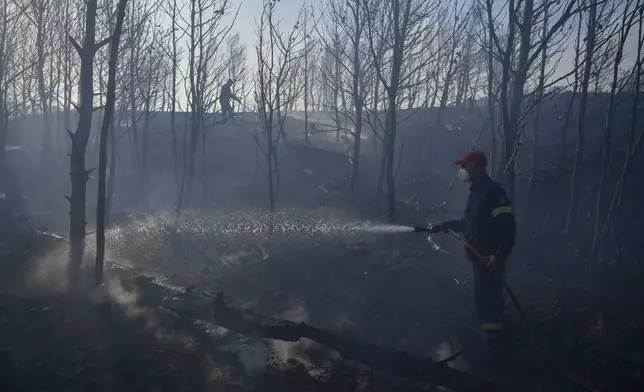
(565, 125)
(614, 213)
(105, 128)
(172, 9)
(78, 173)
(41, 16)
(357, 91)
(410, 24)
(309, 48)
(626, 23)
(575, 181)
(539, 98)
(276, 56)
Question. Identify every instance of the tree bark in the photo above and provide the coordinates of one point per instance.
(78, 174)
(173, 97)
(112, 170)
(398, 47)
(40, 20)
(614, 212)
(102, 162)
(575, 181)
(564, 127)
(608, 126)
(3, 99)
(537, 115)
(357, 96)
(512, 128)
(133, 63)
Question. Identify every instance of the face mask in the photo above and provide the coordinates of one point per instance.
(463, 175)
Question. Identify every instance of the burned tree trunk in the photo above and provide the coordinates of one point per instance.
(357, 94)
(400, 26)
(537, 116)
(564, 127)
(112, 169)
(491, 101)
(634, 141)
(511, 127)
(78, 173)
(41, 15)
(275, 58)
(3, 96)
(173, 92)
(575, 181)
(102, 163)
(132, 88)
(626, 24)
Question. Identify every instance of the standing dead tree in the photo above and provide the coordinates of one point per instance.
(488, 45)
(173, 10)
(309, 59)
(346, 21)
(78, 173)
(516, 57)
(277, 54)
(591, 37)
(333, 65)
(548, 66)
(11, 69)
(150, 76)
(411, 26)
(634, 138)
(41, 17)
(138, 38)
(105, 128)
(449, 58)
(206, 32)
(629, 13)
(566, 121)
(69, 73)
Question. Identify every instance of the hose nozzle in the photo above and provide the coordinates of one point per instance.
(419, 229)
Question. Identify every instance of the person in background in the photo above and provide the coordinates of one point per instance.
(225, 96)
(489, 226)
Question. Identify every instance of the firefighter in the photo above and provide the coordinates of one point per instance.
(225, 96)
(489, 226)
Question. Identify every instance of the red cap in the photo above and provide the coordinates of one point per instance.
(472, 156)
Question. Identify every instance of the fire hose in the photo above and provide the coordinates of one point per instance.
(483, 261)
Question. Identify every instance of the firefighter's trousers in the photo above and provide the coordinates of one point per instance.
(488, 297)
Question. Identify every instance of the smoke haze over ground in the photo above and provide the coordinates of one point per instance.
(301, 206)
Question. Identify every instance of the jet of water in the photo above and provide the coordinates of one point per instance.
(290, 224)
(389, 229)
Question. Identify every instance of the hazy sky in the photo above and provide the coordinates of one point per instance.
(287, 11)
(250, 11)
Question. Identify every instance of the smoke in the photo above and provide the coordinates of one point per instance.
(49, 271)
(253, 356)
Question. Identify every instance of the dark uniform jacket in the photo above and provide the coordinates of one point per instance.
(225, 93)
(489, 224)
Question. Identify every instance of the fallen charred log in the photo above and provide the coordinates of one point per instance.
(393, 362)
